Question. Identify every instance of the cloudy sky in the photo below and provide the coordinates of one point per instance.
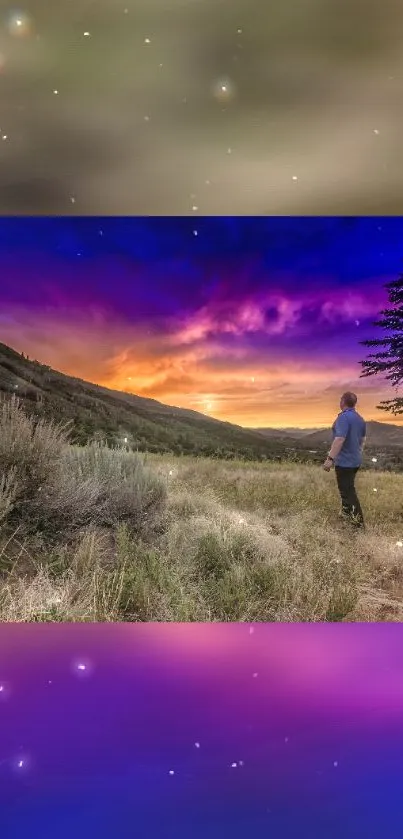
(254, 321)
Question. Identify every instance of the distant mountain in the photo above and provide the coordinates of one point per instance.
(286, 433)
(274, 433)
(297, 433)
(100, 413)
(380, 434)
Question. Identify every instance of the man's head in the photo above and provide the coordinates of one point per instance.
(348, 400)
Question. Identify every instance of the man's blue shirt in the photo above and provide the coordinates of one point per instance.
(353, 427)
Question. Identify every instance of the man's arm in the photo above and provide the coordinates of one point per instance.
(341, 430)
(336, 447)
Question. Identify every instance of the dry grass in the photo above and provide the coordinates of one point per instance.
(93, 534)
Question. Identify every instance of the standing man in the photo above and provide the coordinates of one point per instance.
(349, 433)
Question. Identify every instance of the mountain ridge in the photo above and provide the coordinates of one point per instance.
(378, 434)
(95, 410)
(117, 416)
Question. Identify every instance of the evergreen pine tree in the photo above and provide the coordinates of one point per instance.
(389, 360)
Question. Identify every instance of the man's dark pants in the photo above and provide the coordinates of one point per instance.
(350, 504)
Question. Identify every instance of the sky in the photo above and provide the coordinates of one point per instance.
(210, 731)
(255, 321)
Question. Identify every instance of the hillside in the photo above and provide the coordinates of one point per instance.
(100, 413)
(97, 412)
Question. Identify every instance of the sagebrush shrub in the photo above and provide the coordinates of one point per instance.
(32, 448)
(47, 483)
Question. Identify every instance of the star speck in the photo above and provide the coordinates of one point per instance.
(19, 24)
(82, 668)
(21, 764)
(223, 90)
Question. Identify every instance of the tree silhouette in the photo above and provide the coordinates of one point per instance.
(389, 360)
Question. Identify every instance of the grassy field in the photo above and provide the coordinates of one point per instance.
(94, 534)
